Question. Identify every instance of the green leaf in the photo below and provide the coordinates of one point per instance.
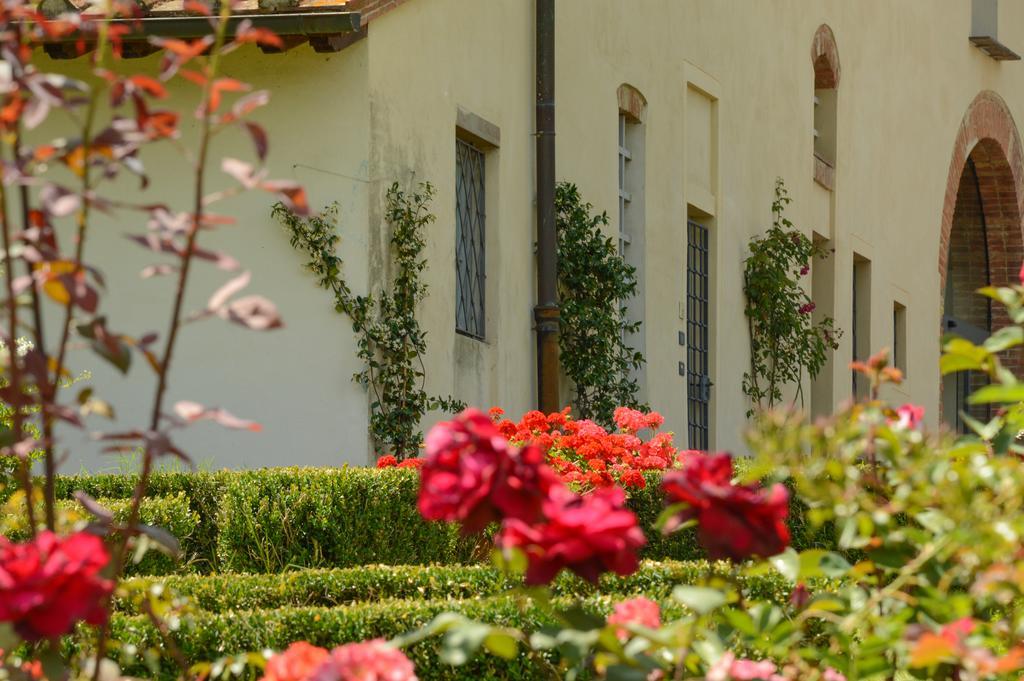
(502, 644)
(827, 604)
(461, 642)
(665, 521)
(934, 521)
(834, 565)
(8, 637)
(986, 431)
(580, 619)
(1005, 338)
(961, 355)
(787, 563)
(621, 672)
(700, 599)
(1002, 394)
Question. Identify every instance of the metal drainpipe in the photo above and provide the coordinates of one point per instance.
(546, 312)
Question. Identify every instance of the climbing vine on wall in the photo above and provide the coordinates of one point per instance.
(594, 285)
(391, 343)
(785, 341)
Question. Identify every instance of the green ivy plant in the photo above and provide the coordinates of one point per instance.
(784, 339)
(594, 284)
(1004, 432)
(391, 342)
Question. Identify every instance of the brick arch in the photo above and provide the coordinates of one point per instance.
(982, 234)
(632, 103)
(988, 136)
(825, 58)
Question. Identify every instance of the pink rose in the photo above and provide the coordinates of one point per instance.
(728, 668)
(588, 535)
(296, 663)
(367, 661)
(639, 610)
(50, 583)
(910, 416)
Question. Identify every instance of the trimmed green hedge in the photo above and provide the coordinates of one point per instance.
(171, 513)
(335, 587)
(277, 519)
(203, 492)
(207, 636)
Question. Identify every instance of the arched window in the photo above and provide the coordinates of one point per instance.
(632, 112)
(825, 58)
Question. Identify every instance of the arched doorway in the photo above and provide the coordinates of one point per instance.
(982, 241)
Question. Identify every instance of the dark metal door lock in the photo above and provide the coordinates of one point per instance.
(705, 388)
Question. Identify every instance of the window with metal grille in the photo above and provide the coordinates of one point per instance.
(861, 321)
(625, 156)
(470, 221)
(698, 323)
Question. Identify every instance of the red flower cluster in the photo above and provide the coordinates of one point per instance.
(367, 661)
(734, 521)
(50, 583)
(472, 475)
(585, 454)
(389, 461)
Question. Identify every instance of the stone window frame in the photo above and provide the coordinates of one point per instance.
(827, 73)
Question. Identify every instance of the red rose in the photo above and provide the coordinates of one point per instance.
(734, 521)
(50, 583)
(472, 475)
(464, 459)
(296, 663)
(367, 661)
(588, 535)
(524, 484)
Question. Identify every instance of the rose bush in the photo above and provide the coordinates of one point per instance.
(925, 579)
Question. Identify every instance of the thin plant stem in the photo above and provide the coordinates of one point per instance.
(81, 231)
(12, 351)
(175, 322)
(40, 342)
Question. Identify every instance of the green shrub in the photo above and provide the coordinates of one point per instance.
(334, 587)
(171, 513)
(207, 636)
(283, 518)
(276, 519)
(202, 491)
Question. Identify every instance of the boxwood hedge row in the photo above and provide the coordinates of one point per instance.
(210, 636)
(277, 519)
(172, 513)
(335, 587)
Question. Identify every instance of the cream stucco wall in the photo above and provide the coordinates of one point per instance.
(729, 89)
(294, 381)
